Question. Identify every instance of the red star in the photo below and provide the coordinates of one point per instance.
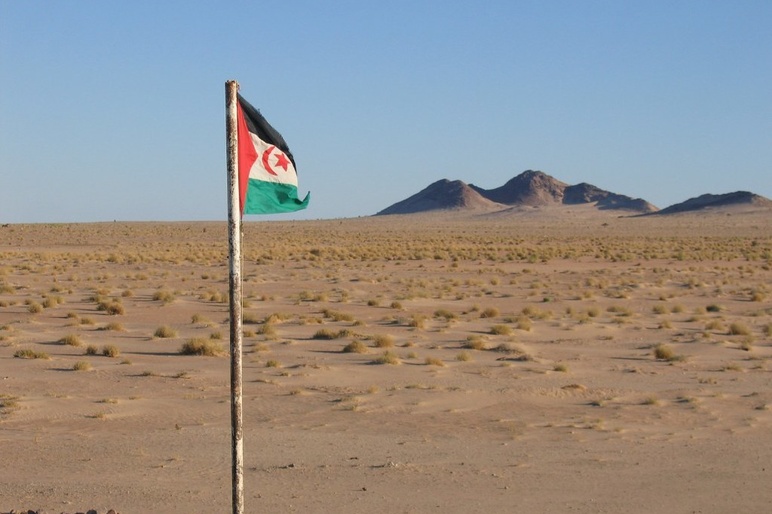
(282, 161)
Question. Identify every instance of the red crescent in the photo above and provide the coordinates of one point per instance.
(267, 166)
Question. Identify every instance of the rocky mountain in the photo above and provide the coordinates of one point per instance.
(444, 195)
(727, 200)
(530, 189)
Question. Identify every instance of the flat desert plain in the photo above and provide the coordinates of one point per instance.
(543, 362)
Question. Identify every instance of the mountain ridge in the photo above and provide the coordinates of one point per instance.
(529, 188)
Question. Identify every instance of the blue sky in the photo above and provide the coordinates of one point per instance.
(115, 110)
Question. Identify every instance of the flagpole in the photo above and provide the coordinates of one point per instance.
(234, 296)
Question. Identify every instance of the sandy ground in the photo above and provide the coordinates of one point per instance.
(509, 365)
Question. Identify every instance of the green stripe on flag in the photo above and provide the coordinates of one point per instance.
(272, 197)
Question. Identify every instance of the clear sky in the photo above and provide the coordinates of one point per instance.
(115, 110)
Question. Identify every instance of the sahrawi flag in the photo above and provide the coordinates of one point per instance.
(268, 182)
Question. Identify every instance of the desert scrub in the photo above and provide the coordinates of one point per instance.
(92, 349)
(31, 354)
(664, 352)
(268, 330)
(71, 340)
(501, 330)
(383, 341)
(434, 361)
(34, 307)
(355, 347)
(81, 366)
(593, 312)
(417, 321)
(463, 357)
(165, 332)
(337, 316)
(739, 329)
(114, 326)
(164, 296)
(248, 318)
(110, 350)
(524, 323)
(474, 342)
(326, 333)
(490, 312)
(200, 346)
(387, 358)
(203, 320)
(446, 314)
(111, 307)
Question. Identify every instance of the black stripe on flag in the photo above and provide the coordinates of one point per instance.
(260, 127)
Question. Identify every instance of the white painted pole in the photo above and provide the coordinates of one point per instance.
(234, 296)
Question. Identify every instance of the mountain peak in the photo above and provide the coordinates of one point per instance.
(442, 195)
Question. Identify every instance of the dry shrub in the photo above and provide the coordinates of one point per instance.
(444, 313)
(81, 366)
(417, 321)
(111, 351)
(501, 330)
(164, 296)
(739, 329)
(355, 347)
(474, 342)
(337, 316)
(387, 358)
(664, 352)
(200, 346)
(165, 332)
(111, 307)
(71, 340)
(31, 354)
(463, 357)
(326, 333)
(383, 341)
(490, 312)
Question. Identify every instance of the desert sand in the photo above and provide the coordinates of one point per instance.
(538, 362)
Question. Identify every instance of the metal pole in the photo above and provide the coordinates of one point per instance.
(234, 297)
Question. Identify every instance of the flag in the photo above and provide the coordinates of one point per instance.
(268, 182)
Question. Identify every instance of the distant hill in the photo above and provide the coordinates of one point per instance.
(529, 189)
(443, 195)
(715, 202)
